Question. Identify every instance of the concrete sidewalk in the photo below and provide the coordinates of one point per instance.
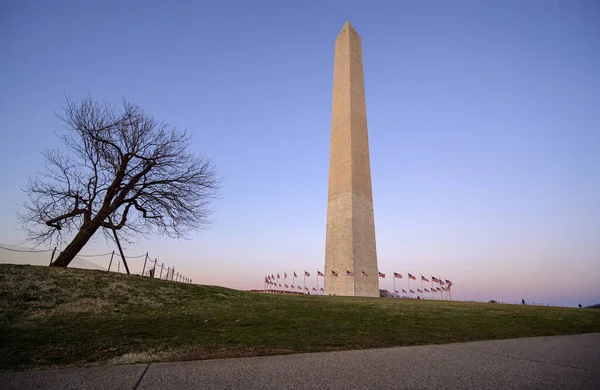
(556, 362)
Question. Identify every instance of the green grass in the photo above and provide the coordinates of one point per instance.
(55, 317)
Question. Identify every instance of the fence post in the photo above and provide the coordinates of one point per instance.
(119, 267)
(110, 263)
(52, 257)
(162, 266)
(173, 274)
(167, 275)
(145, 259)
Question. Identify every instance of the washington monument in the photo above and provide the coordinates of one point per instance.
(350, 242)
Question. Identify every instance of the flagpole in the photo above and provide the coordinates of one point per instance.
(422, 286)
(446, 288)
(408, 277)
(445, 284)
(432, 296)
(317, 281)
(443, 292)
(394, 275)
(346, 283)
(304, 282)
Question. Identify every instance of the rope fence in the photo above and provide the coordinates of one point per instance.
(141, 265)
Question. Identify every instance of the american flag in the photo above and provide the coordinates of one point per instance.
(321, 288)
(286, 286)
(382, 275)
(306, 274)
(306, 288)
(295, 274)
(272, 277)
(404, 291)
(397, 275)
(396, 291)
(423, 278)
(441, 282)
(449, 283)
(426, 290)
(299, 288)
(292, 286)
(314, 289)
(419, 290)
(434, 279)
(279, 284)
(412, 292)
(285, 275)
(348, 273)
(277, 275)
(334, 273)
(443, 288)
(364, 273)
(438, 289)
(411, 277)
(319, 273)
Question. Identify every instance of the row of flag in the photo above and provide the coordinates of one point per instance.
(363, 273)
(273, 282)
(423, 279)
(436, 289)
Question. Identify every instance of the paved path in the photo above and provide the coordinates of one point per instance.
(556, 362)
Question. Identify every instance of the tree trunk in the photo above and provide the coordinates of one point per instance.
(83, 236)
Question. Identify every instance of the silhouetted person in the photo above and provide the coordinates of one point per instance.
(580, 305)
(522, 301)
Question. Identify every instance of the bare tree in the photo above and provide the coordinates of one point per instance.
(120, 171)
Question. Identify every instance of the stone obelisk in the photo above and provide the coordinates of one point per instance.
(350, 242)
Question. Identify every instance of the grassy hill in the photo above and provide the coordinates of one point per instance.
(52, 317)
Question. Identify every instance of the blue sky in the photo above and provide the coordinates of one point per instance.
(484, 126)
